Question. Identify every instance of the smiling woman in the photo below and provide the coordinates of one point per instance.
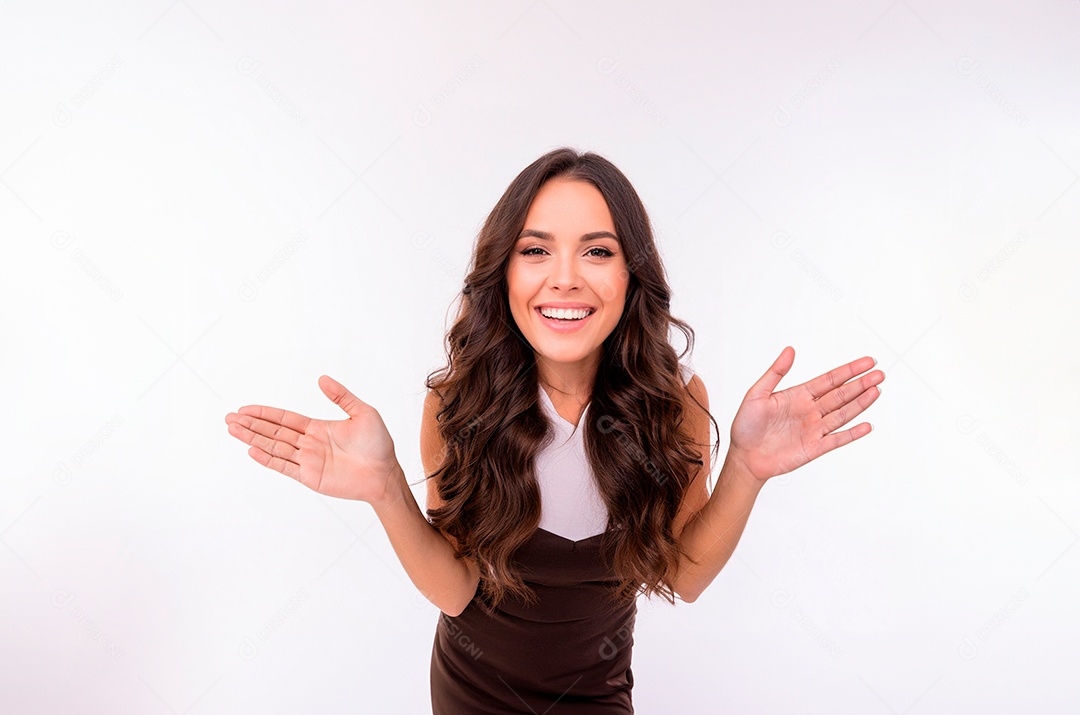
(567, 451)
(566, 524)
(561, 284)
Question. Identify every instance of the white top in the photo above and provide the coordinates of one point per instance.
(571, 505)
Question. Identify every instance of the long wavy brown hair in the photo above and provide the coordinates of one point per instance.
(493, 424)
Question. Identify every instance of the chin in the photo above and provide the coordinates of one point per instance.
(556, 355)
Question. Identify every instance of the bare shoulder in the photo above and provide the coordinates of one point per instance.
(696, 388)
(432, 446)
(698, 427)
(432, 454)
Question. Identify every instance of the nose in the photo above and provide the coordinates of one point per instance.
(565, 272)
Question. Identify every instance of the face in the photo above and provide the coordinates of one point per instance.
(567, 255)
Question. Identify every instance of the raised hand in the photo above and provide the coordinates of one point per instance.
(352, 458)
(776, 432)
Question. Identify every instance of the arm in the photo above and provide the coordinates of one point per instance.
(428, 557)
(713, 533)
(713, 524)
(355, 459)
(773, 433)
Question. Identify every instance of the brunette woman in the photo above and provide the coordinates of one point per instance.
(566, 448)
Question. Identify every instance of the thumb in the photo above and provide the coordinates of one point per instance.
(768, 382)
(341, 396)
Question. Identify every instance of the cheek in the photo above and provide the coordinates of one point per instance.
(518, 288)
(612, 286)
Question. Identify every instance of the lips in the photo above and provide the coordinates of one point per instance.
(568, 306)
(564, 326)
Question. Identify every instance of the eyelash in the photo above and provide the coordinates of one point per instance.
(607, 253)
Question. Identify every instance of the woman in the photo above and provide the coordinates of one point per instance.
(566, 452)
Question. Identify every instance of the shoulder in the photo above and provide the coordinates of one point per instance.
(694, 385)
(432, 403)
(697, 426)
(432, 446)
(429, 424)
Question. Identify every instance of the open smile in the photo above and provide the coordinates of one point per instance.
(561, 325)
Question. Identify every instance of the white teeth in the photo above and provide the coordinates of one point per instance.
(576, 314)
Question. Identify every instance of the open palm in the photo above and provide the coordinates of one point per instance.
(352, 458)
(776, 432)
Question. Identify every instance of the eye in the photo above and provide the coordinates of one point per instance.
(604, 253)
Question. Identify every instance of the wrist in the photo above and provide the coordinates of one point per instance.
(735, 471)
(393, 493)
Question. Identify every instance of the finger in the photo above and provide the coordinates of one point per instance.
(341, 396)
(286, 467)
(272, 430)
(273, 447)
(849, 411)
(822, 384)
(839, 439)
(768, 382)
(292, 420)
(835, 399)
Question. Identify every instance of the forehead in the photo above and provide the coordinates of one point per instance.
(569, 204)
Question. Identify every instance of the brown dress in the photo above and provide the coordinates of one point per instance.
(567, 655)
(570, 653)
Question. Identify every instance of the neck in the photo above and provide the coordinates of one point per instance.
(572, 381)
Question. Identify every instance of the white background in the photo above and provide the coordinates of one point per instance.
(207, 205)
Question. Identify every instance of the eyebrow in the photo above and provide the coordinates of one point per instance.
(544, 235)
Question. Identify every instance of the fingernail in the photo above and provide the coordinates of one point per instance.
(875, 362)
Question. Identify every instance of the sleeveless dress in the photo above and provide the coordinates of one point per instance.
(568, 654)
